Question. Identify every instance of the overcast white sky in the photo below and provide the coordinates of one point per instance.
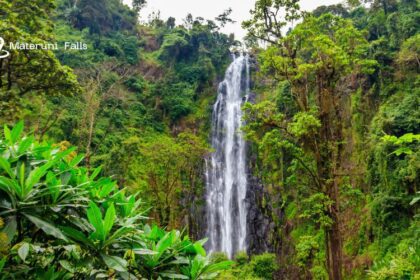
(209, 9)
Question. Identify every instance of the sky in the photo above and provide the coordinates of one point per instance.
(209, 9)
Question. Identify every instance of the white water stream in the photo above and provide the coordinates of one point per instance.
(226, 176)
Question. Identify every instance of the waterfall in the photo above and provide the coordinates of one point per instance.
(226, 176)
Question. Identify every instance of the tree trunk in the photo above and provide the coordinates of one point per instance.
(89, 142)
(334, 247)
(329, 163)
(335, 264)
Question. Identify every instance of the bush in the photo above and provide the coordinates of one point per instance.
(178, 100)
(260, 267)
(241, 258)
(136, 84)
(264, 265)
(111, 48)
(399, 259)
(217, 257)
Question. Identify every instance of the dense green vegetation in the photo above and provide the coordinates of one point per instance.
(337, 130)
(134, 105)
(139, 88)
(68, 223)
(107, 181)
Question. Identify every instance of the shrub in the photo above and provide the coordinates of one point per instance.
(264, 265)
(217, 257)
(241, 258)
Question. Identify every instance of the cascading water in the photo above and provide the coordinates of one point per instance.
(226, 176)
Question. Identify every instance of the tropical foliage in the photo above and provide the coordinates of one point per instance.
(63, 222)
(109, 183)
(336, 130)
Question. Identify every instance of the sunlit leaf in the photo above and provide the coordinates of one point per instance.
(46, 227)
(114, 262)
(23, 251)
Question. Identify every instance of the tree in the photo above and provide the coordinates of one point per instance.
(100, 86)
(138, 5)
(320, 59)
(224, 18)
(409, 55)
(338, 10)
(270, 17)
(104, 16)
(386, 5)
(27, 73)
(171, 23)
(188, 21)
(171, 177)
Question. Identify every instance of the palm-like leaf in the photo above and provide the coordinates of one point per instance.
(47, 198)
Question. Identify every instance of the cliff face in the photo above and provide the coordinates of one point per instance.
(261, 226)
(262, 214)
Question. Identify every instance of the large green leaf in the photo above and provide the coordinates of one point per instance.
(218, 267)
(2, 263)
(67, 265)
(53, 185)
(124, 275)
(8, 135)
(106, 188)
(5, 165)
(144, 252)
(127, 204)
(117, 234)
(197, 265)
(95, 218)
(76, 235)
(201, 269)
(173, 275)
(35, 176)
(114, 262)
(11, 187)
(76, 160)
(198, 247)
(109, 219)
(25, 144)
(155, 233)
(164, 244)
(39, 172)
(22, 169)
(95, 173)
(16, 131)
(46, 227)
